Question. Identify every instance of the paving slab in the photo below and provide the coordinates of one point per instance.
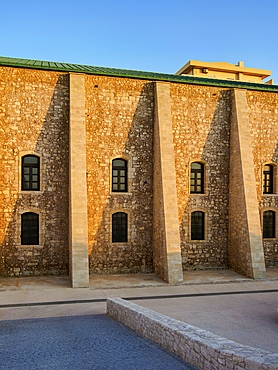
(249, 319)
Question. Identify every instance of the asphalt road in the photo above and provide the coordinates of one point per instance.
(80, 342)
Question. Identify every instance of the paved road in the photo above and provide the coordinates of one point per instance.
(80, 342)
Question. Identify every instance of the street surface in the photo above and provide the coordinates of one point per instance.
(80, 342)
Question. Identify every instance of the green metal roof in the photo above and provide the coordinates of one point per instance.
(103, 71)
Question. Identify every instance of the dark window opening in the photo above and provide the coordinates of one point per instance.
(119, 227)
(268, 179)
(197, 178)
(269, 224)
(29, 228)
(119, 175)
(197, 225)
(30, 177)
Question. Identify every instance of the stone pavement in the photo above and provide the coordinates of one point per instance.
(250, 319)
(126, 281)
(80, 342)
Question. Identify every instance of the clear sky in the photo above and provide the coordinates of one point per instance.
(154, 36)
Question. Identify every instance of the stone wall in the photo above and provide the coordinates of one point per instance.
(263, 118)
(119, 118)
(201, 127)
(34, 120)
(196, 346)
(119, 123)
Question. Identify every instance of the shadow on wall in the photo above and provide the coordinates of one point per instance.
(271, 246)
(212, 252)
(129, 134)
(50, 140)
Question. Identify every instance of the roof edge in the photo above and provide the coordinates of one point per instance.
(152, 76)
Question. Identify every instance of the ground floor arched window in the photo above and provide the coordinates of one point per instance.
(197, 225)
(119, 227)
(269, 225)
(29, 228)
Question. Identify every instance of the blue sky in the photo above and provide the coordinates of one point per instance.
(155, 36)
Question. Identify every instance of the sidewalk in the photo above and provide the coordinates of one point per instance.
(58, 288)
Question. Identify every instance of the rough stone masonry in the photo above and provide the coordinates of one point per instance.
(78, 120)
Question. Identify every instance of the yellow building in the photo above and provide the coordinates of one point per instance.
(224, 71)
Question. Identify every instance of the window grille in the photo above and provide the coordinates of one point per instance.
(29, 228)
(269, 224)
(119, 227)
(197, 225)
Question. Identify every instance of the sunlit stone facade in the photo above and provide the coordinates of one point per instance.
(192, 193)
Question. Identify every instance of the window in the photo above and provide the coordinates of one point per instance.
(29, 228)
(119, 175)
(268, 179)
(197, 225)
(119, 227)
(269, 224)
(197, 178)
(30, 177)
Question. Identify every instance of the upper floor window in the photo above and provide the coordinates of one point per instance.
(197, 178)
(119, 227)
(30, 176)
(198, 225)
(269, 224)
(268, 179)
(29, 228)
(119, 175)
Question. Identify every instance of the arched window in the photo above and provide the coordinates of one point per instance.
(30, 176)
(268, 179)
(197, 225)
(269, 224)
(197, 178)
(119, 175)
(119, 227)
(29, 228)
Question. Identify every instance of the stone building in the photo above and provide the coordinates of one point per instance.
(114, 171)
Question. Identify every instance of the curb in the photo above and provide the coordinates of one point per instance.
(139, 298)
